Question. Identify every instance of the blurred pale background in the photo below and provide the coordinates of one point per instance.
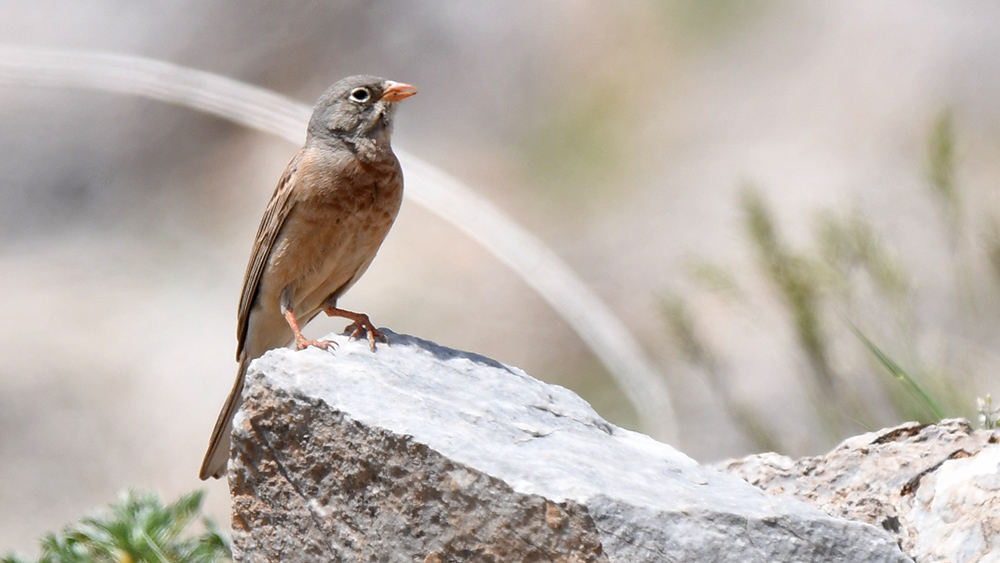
(622, 134)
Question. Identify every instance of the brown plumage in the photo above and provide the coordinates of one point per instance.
(326, 220)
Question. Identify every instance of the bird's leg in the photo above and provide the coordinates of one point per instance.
(301, 342)
(361, 323)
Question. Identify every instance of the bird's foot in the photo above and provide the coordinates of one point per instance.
(301, 343)
(366, 326)
(361, 323)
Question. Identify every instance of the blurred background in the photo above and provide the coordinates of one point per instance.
(784, 201)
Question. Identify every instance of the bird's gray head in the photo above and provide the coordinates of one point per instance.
(358, 110)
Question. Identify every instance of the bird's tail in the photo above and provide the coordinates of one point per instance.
(217, 456)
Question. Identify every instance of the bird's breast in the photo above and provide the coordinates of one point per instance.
(343, 212)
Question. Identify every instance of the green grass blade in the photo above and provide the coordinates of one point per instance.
(898, 372)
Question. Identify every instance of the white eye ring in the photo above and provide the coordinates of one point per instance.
(360, 94)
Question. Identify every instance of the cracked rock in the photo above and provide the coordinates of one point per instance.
(422, 453)
(935, 487)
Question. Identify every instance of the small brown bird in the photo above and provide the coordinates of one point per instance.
(326, 220)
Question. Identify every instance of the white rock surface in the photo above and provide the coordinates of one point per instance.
(935, 487)
(422, 453)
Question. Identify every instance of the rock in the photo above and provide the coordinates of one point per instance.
(935, 487)
(421, 453)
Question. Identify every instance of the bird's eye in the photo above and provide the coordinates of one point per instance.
(360, 94)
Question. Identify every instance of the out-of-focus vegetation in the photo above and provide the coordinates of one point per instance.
(988, 414)
(137, 528)
(850, 303)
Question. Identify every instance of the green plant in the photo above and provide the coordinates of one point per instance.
(899, 373)
(941, 166)
(849, 289)
(796, 279)
(137, 528)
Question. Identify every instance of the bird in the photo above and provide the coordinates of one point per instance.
(325, 222)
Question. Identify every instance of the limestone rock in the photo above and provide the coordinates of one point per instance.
(421, 453)
(935, 487)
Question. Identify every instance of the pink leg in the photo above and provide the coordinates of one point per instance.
(301, 343)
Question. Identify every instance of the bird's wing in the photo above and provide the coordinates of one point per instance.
(270, 225)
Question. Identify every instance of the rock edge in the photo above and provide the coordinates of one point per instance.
(423, 453)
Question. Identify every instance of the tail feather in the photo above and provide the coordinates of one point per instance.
(217, 457)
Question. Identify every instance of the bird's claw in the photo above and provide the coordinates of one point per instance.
(363, 324)
(301, 343)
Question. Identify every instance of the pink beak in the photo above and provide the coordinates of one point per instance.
(395, 91)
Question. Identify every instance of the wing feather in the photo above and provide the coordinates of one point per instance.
(270, 225)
